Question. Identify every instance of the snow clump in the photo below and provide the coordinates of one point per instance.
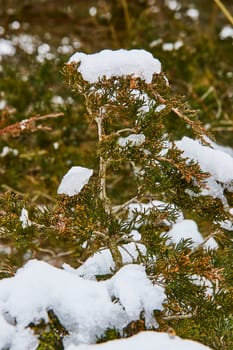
(74, 180)
(215, 161)
(108, 63)
(85, 308)
(188, 229)
(226, 32)
(132, 140)
(6, 48)
(146, 341)
(102, 263)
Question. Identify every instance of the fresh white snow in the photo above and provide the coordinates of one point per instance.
(188, 229)
(145, 341)
(132, 140)
(218, 163)
(193, 13)
(159, 108)
(3, 104)
(24, 219)
(214, 145)
(74, 180)
(147, 103)
(102, 263)
(6, 48)
(7, 150)
(226, 32)
(85, 308)
(173, 5)
(180, 229)
(146, 208)
(108, 63)
(26, 42)
(172, 46)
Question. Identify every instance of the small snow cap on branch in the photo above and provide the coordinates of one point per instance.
(121, 62)
(24, 219)
(214, 161)
(74, 180)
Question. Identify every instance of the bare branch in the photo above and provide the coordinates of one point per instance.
(177, 317)
(28, 124)
(118, 208)
(224, 11)
(181, 317)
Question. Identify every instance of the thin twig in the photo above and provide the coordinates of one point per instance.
(211, 235)
(101, 234)
(127, 16)
(59, 255)
(196, 127)
(224, 11)
(118, 208)
(222, 128)
(118, 132)
(11, 189)
(47, 251)
(177, 317)
(207, 93)
(180, 317)
(127, 252)
(27, 124)
(102, 163)
(218, 102)
(45, 195)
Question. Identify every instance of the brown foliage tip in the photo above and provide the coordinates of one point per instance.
(28, 125)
